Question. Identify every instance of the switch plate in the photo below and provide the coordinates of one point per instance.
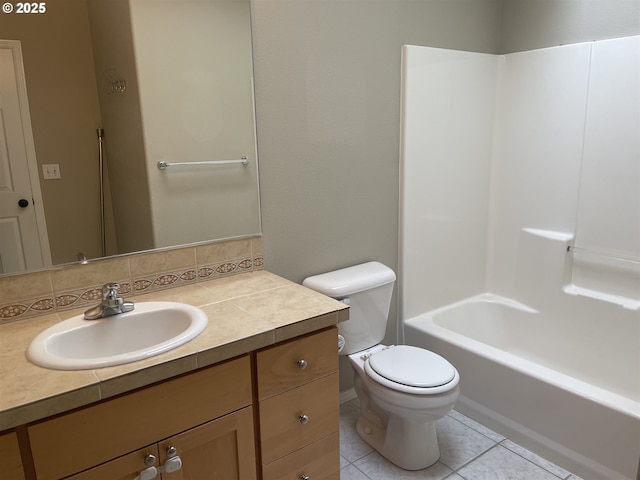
(51, 171)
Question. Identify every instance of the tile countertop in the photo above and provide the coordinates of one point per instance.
(246, 312)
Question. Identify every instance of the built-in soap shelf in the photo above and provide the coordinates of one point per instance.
(624, 302)
(573, 285)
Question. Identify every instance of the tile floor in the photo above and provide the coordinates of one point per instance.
(468, 451)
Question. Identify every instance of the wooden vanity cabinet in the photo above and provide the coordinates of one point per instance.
(286, 394)
(11, 468)
(207, 414)
(299, 408)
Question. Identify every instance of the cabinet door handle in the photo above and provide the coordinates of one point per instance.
(302, 364)
(305, 477)
(304, 419)
(147, 474)
(172, 464)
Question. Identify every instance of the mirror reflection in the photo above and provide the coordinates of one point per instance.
(94, 93)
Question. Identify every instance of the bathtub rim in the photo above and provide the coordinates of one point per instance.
(614, 401)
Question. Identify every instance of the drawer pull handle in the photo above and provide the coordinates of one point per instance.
(302, 364)
(304, 419)
(305, 477)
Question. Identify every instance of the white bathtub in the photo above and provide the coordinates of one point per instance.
(569, 390)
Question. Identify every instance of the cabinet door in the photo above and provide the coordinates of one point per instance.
(221, 449)
(127, 467)
(11, 468)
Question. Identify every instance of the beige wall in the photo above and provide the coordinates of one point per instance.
(328, 106)
(122, 122)
(528, 25)
(196, 97)
(60, 76)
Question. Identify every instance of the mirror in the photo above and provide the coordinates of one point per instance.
(114, 87)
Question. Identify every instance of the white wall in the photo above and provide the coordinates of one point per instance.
(448, 100)
(567, 160)
(565, 169)
(609, 201)
(537, 154)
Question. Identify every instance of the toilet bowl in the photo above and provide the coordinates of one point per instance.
(402, 389)
(398, 418)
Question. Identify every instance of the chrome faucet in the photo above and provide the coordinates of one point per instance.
(111, 303)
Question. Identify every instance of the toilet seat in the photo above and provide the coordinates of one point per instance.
(411, 370)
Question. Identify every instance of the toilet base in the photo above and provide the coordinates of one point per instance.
(408, 445)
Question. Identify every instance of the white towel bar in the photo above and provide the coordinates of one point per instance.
(162, 165)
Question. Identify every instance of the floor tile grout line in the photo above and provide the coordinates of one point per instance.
(503, 440)
(457, 470)
(531, 461)
(478, 431)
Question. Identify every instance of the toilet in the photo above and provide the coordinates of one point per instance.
(402, 389)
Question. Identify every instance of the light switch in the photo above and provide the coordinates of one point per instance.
(51, 171)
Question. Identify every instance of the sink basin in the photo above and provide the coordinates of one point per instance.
(151, 329)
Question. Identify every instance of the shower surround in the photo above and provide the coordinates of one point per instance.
(521, 179)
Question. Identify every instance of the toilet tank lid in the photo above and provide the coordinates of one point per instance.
(350, 280)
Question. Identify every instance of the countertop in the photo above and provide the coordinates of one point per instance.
(246, 312)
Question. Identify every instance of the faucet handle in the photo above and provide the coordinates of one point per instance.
(110, 291)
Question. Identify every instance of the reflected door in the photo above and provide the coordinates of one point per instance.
(23, 234)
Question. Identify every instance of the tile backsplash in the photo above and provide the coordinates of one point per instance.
(75, 286)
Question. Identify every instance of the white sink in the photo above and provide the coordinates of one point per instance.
(150, 329)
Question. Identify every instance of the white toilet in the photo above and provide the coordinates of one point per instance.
(402, 389)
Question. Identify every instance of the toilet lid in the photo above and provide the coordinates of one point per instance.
(412, 366)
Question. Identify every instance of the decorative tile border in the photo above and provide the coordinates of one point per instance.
(57, 301)
(223, 269)
(26, 309)
(164, 280)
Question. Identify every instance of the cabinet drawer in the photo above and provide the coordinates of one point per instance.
(92, 435)
(11, 468)
(279, 368)
(281, 429)
(318, 461)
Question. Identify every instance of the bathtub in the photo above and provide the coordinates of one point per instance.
(569, 390)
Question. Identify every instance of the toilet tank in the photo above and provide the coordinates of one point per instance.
(367, 289)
